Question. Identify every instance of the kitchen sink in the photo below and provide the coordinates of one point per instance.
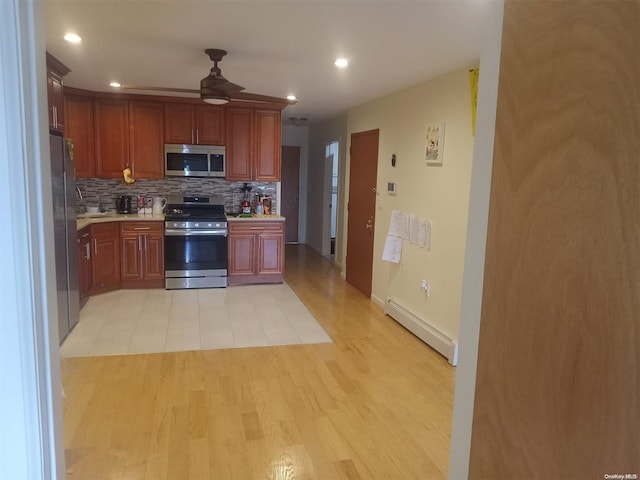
(94, 215)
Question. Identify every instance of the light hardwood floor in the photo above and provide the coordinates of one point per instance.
(374, 404)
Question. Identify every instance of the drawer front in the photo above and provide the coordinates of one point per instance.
(257, 226)
(141, 227)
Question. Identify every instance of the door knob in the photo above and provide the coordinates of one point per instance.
(374, 190)
(369, 224)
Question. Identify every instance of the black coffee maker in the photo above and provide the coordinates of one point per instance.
(123, 204)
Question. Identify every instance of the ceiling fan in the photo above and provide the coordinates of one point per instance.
(216, 89)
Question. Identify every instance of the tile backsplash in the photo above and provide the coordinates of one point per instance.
(96, 190)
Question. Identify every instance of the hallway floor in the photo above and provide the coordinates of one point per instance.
(376, 403)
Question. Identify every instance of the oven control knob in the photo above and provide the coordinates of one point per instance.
(196, 225)
(209, 225)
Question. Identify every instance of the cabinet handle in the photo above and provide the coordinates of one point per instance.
(142, 228)
(256, 228)
(95, 247)
(197, 137)
(88, 251)
(55, 117)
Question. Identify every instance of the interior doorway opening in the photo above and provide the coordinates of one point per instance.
(332, 167)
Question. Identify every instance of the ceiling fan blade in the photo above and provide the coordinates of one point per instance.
(255, 97)
(159, 89)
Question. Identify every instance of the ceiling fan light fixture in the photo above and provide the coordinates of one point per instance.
(215, 100)
(291, 97)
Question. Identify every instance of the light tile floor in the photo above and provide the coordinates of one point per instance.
(158, 320)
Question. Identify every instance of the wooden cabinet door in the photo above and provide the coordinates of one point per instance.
(112, 137)
(239, 152)
(270, 256)
(55, 99)
(131, 256)
(209, 125)
(242, 254)
(79, 128)
(105, 263)
(154, 256)
(268, 138)
(146, 139)
(179, 123)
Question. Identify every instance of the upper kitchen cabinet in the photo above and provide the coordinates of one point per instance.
(254, 139)
(111, 137)
(146, 146)
(78, 113)
(192, 124)
(55, 71)
(128, 133)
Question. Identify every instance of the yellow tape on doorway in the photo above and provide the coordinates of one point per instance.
(474, 73)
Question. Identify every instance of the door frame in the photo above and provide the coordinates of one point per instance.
(326, 200)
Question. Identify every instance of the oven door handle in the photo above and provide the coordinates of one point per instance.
(170, 232)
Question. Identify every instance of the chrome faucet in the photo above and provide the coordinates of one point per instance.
(79, 193)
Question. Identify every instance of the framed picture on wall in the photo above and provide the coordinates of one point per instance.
(434, 143)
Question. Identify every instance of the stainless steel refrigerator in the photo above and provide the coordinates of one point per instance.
(65, 233)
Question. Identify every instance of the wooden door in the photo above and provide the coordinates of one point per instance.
(179, 123)
(270, 253)
(209, 125)
(131, 256)
(557, 387)
(80, 129)
(105, 262)
(239, 152)
(146, 148)
(363, 174)
(242, 254)
(154, 256)
(112, 137)
(268, 137)
(290, 193)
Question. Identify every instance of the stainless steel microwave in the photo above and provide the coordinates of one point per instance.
(194, 160)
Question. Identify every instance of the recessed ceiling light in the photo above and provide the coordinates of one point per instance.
(341, 62)
(291, 97)
(72, 37)
(115, 85)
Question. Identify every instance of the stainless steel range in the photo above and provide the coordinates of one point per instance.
(195, 242)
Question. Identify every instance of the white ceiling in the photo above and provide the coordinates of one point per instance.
(275, 47)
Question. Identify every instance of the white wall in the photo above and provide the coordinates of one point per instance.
(299, 137)
(318, 220)
(439, 194)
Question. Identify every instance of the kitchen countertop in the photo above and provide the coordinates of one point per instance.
(90, 219)
(116, 217)
(257, 218)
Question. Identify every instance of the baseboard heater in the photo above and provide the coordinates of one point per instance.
(430, 335)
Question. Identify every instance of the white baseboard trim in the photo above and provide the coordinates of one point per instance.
(378, 301)
(421, 329)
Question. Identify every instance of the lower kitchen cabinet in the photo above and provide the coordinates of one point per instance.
(256, 252)
(105, 261)
(84, 264)
(142, 254)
